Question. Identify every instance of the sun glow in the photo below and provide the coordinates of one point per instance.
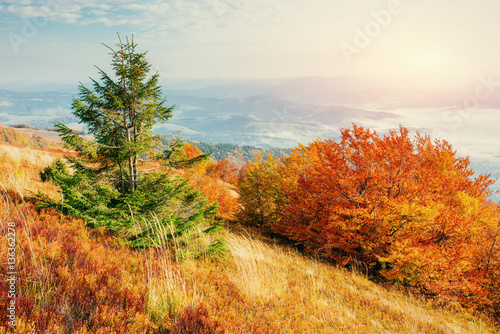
(435, 68)
(429, 60)
(424, 68)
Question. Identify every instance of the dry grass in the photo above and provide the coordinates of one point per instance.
(19, 168)
(49, 135)
(305, 296)
(259, 274)
(170, 290)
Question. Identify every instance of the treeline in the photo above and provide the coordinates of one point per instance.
(23, 126)
(238, 155)
(408, 210)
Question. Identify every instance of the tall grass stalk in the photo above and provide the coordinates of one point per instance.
(40, 284)
(258, 273)
(169, 291)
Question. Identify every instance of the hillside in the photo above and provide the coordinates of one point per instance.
(29, 137)
(66, 284)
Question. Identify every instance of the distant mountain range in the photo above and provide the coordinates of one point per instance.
(260, 112)
(264, 113)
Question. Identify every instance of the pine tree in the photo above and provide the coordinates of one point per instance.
(120, 114)
(109, 186)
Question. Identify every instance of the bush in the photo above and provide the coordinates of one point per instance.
(196, 320)
(58, 167)
(163, 209)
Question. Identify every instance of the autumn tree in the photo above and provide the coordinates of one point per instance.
(211, 184)
(259, 190)
(405, 206)
(357, 195)
(224, 170)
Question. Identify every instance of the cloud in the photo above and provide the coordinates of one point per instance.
(106, 21)
(98, 12)
(25, 11)
(157, 9)
(51, 11)
(69, 17)
(177, 15)
(104, 7)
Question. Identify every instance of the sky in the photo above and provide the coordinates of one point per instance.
(412, 43)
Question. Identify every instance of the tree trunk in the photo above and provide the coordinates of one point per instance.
(131, 166)
(130, 158)
(490, 255)
(136, 168)
(122, 181)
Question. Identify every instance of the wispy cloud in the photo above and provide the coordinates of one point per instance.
(147, 15)
(50, 10)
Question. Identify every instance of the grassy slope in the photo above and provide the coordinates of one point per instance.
(80, 280)
(29, 138)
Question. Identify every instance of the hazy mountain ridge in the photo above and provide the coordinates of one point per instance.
(271, 112)
(260, 120)
(336, 90)
(33, 103)
(242, 112)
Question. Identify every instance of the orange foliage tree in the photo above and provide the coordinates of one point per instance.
(259, 191)
(224, 170)
(210, 179)
(408, 208)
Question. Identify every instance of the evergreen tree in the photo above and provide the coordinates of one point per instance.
(107, 186)
(120, 114)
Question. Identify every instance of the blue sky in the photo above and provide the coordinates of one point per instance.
(421, 42)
